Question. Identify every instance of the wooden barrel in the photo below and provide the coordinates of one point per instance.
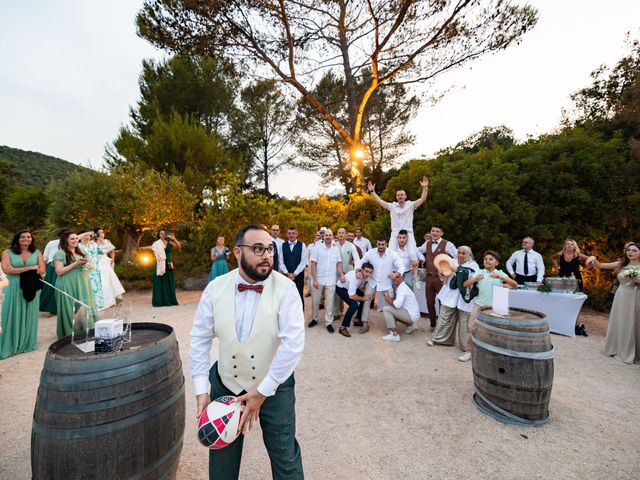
(111, 416)
(512, 361)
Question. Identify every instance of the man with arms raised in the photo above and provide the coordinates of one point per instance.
(401, 213)
(257, 316)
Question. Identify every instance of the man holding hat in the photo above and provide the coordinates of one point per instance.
(431, 249)
(256, 314)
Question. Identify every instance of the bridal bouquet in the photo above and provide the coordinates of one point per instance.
(631, 272)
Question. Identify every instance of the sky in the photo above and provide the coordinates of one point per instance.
(69, 73)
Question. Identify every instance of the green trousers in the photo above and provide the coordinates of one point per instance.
(278, 423)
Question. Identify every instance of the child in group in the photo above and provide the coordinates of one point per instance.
(486, 278)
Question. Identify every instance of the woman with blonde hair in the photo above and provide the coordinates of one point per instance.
(568, 260)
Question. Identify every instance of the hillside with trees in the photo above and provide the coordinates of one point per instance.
(34, 169)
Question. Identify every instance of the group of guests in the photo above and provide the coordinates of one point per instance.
(347, 269)
(73, 277)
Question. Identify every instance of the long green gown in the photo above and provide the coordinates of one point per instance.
(164, 289)
(48, 294)
(75, 283)
(19, 318)
(219, 267)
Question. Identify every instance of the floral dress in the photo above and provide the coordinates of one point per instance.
(93, 251)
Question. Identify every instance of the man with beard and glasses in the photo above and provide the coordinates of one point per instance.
(257, 316)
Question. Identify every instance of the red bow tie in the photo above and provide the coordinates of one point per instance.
(243, 286)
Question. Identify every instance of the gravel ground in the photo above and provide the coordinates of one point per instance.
(368, 409)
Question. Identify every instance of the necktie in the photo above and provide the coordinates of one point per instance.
(243, 286)
(526, 262)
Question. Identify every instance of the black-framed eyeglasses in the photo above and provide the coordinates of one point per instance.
(259, 250)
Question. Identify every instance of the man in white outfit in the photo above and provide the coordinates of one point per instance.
(361, 242)
(349, 256)
(385, 262)
(401, 213)
(325, 262)
(403, 308)
(403, 252)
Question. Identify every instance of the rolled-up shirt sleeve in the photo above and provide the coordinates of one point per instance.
(291, 335)
(202, 334)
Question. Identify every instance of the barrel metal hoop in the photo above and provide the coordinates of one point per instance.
(109, 404)
(513, 333)
(108, 428)
(506, 321)
(503, 416)
(106, 378)
(548, 355)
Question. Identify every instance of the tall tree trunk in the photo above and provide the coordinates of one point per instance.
(131, 244)
(265, 170)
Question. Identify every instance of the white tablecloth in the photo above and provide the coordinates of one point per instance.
(561, 309)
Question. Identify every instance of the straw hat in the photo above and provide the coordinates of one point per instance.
(444, 264)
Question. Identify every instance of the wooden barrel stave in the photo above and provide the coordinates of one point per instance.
(118, 426)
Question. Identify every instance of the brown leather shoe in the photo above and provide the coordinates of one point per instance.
(344, 331)
(364, 328)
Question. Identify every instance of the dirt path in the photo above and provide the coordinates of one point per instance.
(367, 409)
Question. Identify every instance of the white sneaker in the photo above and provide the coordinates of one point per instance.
(411, 328)
(465, 357)
(391, 338)
(430, 343)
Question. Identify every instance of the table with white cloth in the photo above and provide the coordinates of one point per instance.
(561, 309)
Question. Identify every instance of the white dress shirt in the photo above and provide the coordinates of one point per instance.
(534, 259)
(363, 244)
(450, 249)
(351, 282)
(401, 217)
(405, 298)
(348, 252)
(290, 333)
(382, 267)
(279, 243)
(405, 257)
(327, 259)
(303, 258)
(50, 250)
(452, 298)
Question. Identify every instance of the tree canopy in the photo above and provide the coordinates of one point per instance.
(296, 43)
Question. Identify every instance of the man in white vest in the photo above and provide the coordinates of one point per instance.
(256, 313)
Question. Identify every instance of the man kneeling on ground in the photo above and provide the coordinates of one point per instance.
(348, 292)
(404, 309)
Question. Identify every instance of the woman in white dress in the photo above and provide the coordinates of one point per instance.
(111, 287)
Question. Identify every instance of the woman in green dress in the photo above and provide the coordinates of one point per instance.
(19, 317)
(73, 280)
(164, 289)
(219, 257)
